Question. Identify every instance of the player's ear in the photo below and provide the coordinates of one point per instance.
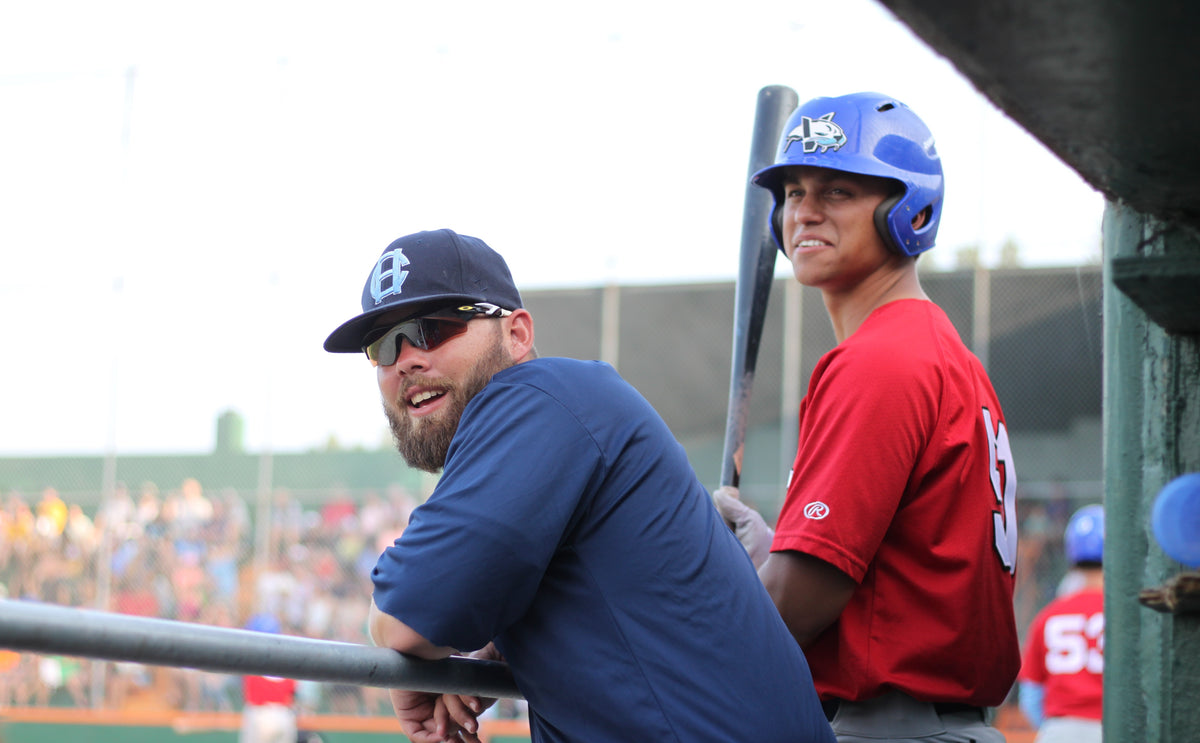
(519, 327)
(922, 217)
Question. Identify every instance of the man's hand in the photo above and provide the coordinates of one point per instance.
(747, 524)
(465, 710)
(435, 718)
(424, 718)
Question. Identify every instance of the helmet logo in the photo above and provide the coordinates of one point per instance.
(813, 133)
(394, 271)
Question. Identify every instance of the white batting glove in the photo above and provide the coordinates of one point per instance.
(748, 526)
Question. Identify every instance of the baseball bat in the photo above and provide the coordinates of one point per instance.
(755, 273)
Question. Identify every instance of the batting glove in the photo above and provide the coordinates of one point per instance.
(748, 526)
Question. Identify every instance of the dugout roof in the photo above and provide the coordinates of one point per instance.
(1107, 85)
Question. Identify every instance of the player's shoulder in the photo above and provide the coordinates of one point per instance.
(905, 319)
(1071, 603)
(895, 335)
(910, 331)
(570, 381)
(556, 370)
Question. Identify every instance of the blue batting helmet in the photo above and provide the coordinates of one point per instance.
(1084, 538)
(869, 134)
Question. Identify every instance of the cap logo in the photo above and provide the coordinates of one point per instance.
(813, 133)
(389, 266)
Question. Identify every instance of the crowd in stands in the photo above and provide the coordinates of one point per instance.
(195, 556)
(192, 556)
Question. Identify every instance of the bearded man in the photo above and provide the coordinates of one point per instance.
(568, 534)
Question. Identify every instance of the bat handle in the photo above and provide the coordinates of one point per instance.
(731, 468)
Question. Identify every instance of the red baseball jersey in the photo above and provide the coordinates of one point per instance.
(904, 481)
(268, 690)
(1064, 652)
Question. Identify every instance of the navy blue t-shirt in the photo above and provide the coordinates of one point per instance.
(569, 528)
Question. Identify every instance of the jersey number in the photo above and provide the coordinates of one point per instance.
(1075, 643)
(1004, 486)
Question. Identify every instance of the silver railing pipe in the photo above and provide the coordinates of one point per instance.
(59, 630)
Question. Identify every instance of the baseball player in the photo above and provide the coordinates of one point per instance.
(268, 712)
(567, 534)
(1062, 669)
(893, 558)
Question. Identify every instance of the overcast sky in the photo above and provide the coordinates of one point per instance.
(192, 194)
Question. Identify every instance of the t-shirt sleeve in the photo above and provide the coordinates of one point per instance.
(471, 559)
(862, 428)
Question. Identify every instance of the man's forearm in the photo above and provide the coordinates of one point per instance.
(389, 632)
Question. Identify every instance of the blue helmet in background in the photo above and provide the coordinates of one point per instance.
(263, 622)
(868, 134)
(1084, 538)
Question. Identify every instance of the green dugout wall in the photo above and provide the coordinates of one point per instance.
(1152, 435)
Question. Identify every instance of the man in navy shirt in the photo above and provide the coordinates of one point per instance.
(567, 535)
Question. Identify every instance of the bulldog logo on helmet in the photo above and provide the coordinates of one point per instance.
(813, 133)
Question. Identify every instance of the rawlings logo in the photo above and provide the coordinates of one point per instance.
(816, 510)
(396, 261)
(813, 133)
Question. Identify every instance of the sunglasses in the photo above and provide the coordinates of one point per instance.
(428, 332)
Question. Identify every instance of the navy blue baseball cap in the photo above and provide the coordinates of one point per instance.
(424, 272)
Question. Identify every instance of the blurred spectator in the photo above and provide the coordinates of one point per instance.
(269, 708)
(80, 530)
(190, 582)
(287, 518)
(278, 588)
(221, 566)
(51, 514)
(338, 510)
(134, 595)
(231, 518)
(13, 686)
(402, 501)
(375, 513)
(149, 511)
(190, 509)
(118, 515)
(60, 672)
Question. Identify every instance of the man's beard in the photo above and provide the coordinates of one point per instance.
(423, 442)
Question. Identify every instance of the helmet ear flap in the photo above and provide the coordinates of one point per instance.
(777, 225)
(881, 220)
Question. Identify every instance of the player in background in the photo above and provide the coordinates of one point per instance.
(1062, 669)
(567, 534)
(269, 702)
(893, 559)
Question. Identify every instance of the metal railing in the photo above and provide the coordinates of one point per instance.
(48, 628)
